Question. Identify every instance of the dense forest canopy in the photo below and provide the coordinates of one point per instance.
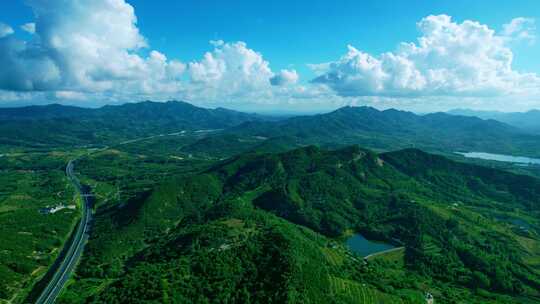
(198, 205)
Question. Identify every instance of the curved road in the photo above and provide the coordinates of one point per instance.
(60, 277)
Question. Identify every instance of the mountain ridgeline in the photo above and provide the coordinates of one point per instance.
(197, 205)
(527, 121)
(55, 125)
(263, 226)
(171, 111)
(45, 126)
(393, 129)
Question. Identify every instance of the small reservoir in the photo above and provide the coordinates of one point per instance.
(501, 157)
(364, 247)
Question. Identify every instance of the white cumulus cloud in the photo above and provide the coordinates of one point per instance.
(5, 30)
(284, 77)
(449, 59)
(93, 50)
(29, 27)
(520, 29)
(230, 70)
(87, 46)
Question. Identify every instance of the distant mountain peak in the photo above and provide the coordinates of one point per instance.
(528, 121)
(350, 108)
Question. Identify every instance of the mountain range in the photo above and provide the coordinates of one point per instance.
(195, 205)
(54, 125)
(528, 121)
(42, 126)
(393, 129)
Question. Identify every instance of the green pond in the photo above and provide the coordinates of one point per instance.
(364, 247)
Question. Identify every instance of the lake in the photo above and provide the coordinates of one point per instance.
(363, 247)
(501, 157)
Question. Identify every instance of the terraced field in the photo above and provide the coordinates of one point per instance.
(333, 256)
(396, 256)
(352, 292)
(531, 251)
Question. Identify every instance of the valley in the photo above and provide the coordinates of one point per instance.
(269, 152)
(208, 204)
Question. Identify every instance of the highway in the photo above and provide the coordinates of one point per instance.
(76, 246)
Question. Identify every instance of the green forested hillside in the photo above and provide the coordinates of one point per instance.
(393, 129)
(528, 121)
(59, 126)
(186, 213)
(260, 227)
(42, 112)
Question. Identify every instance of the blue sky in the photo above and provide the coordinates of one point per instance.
(301, 32)
(288, 35)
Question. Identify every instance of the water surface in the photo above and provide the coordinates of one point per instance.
(501, 158)
(363, 247)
